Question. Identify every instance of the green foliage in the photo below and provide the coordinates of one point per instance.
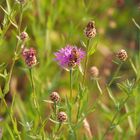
(100, 108)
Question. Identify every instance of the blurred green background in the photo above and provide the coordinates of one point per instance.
(51, 24)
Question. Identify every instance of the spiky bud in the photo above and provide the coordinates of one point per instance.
(122, 55)
(29, 56)
(94, 72)
(90, 30)
(54, 96)
(23, 36)
(62, 117)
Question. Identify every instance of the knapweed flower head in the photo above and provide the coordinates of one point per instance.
(69, 57)
(29, 56)
(62, 117)
(23, 36)
(94, 72)
(90, 30)
(122, 55)
(54, 96)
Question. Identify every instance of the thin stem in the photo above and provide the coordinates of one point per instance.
(98, 86)
(86, 62)
(55, 110)
(70, 84)
(115, 116)
(115, 74)
(34, 94)
(57, 131)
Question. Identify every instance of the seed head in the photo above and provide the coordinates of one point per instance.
(62, 117)
(122, 55)
(94, 71)
(55, 97)
(29, 56)
(90, 30)
(23, 36)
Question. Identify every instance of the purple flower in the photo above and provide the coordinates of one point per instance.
(29, 57)
(69, 57)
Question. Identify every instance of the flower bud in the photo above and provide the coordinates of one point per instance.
(29, 56)
(122, 55)
(94, 71)
(62, 117)
(23, 36)
(55, 97)
(90, 30)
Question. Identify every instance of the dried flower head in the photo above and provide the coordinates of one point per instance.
(90, 30)
(54, 96)
(23, 36)
(122, 55)
(94, 72)
(29, 56)
(62, 117)
(69, 57)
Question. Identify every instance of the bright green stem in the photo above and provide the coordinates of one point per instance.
(115, 74)
(70, 84)
(86, 62)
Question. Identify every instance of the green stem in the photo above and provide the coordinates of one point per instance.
(55, 110)
(11, 117)
(98, 86)
(115, 116)
(16, 50)
(57, 131)
(70, 84)
(115, 74)
(36, 104)
(86, 62)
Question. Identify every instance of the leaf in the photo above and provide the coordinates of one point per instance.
(93, 48)
(111, 96)
(8, 6)
(1, 94)
(83, 44)
(6, 87)
(136, 24)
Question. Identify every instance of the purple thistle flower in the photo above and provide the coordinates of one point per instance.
(69, 57)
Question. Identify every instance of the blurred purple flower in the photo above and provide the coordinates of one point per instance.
(29, 56)
(69, 57)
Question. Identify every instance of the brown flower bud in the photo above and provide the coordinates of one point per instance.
(94, 71)
(122, 55)
(62, 117)
(55, 97)
(29, 56)
(23, 36)
(90, 30)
